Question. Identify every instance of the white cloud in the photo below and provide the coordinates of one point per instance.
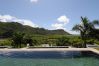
(58, 26)
(33, 1)
(5, 18)
(9, 18)
(63, 19)
(61, 22)
(71, 32)
(61, 26)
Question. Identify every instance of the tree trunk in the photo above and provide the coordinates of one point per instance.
(83, 36)
(84, 45)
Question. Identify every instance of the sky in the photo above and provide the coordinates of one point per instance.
(49, 14)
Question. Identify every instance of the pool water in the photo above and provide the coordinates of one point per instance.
(48, 58)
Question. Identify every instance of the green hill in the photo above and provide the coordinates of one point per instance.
(8, 28)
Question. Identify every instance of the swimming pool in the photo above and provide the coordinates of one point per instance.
(49, 58)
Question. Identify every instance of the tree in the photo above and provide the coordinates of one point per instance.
(63, 41)
(85, 28)
(18, 39)
(35, 42)
(28, 40)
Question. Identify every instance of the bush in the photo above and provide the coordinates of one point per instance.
(63, 41)
(5, 42)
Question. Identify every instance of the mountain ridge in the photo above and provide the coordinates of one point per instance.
(11, 27)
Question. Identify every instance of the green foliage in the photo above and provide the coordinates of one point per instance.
(22, 35)
(96, 42)
(86, 29)
(76, 42)
(5, 42)
(7, 29)
(28, 39)
(38, 40)
(17, 39)
(90, 41)
(34, 43)
(63, 41)
(38, 36)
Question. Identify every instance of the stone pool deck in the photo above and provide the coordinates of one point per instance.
(51, 49)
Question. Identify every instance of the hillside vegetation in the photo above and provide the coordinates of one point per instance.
(8, 28)
(17, 35)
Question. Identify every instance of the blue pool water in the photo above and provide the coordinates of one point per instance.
(48, 58)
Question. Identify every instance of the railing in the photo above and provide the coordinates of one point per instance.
(50, 47)
(5, 47)
(92, 46)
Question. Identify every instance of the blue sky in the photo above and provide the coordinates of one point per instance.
(50, 14)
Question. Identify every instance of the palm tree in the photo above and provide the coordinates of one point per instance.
(85, 28)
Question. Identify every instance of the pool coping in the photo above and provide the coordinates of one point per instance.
(52, 49)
